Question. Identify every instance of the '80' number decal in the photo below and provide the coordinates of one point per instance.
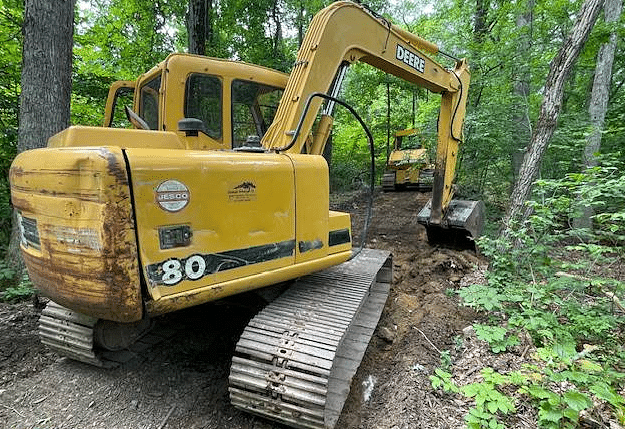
(173, 271)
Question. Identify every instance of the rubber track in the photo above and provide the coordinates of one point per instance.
(295, 361)
(70, 334)
(388, 182)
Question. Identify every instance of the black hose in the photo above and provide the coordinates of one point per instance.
(453, 117)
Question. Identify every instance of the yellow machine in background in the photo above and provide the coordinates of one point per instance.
(408, 164)
(222, 190)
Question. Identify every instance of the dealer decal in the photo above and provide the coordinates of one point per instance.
(172, 195)
(194, 267)
(244, 191)
(409, 58)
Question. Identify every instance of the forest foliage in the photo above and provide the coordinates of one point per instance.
(509, 46)
(117, 39)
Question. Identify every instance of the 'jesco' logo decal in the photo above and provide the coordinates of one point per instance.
(172, 195)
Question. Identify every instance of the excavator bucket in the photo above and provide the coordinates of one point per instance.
(462, 223)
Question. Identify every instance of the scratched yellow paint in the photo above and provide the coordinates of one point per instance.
(87, 258)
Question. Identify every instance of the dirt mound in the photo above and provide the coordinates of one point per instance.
(182, 383)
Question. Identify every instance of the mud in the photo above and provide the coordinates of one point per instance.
(182, 382)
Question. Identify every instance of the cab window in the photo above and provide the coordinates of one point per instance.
(203, 102)
(148, 107)
(411, 141)
(254, 106)
(123, 97)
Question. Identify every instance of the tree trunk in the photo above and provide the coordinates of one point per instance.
(277, 37)
(46, 81)
(388, 119)
(480, 27)
(199, 25)
(599, 98)
(46, 71)
(480, 30)
(554, 88)
(300, 24)
(522, 130)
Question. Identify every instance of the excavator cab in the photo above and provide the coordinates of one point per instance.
(230, 104)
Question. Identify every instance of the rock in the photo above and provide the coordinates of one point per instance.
(386, 334)
(419, 368)
(468, 332)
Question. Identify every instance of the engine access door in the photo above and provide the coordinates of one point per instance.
(205, 218)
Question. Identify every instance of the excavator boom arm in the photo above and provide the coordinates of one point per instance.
(345, 32)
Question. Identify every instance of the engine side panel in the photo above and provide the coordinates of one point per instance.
(205, 218)
(213, 224)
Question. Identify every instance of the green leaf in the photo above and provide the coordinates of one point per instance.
(443, 374)
(571, 414)
(590, 366)
(494, 424)
(470, 390)
(493, 407)
(436, 382)
(517, 378)
(550, 414)
(576, 400)
(539, 392)
(565, 350)
(603, 391)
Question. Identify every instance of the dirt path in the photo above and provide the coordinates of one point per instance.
(182, 382)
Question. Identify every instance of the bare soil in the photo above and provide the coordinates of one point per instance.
(182, 382)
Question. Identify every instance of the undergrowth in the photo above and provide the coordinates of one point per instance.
(13, 289)
(555, 283)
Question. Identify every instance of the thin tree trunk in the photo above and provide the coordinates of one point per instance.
(199, 26)
(480, 27)
(46, 81)
(549, 110)
(520, 117)
(599, 98)
(300, 24)
(480, 31)
(388, 119)
(277, 38)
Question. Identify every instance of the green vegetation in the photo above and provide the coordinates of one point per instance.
(23, 290)
(557, 285)
(13, 289)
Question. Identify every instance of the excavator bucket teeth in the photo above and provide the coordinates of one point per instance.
(462, 224)
(295, 361)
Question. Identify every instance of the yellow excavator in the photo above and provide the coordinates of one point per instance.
(222, 189)
(408, 163)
